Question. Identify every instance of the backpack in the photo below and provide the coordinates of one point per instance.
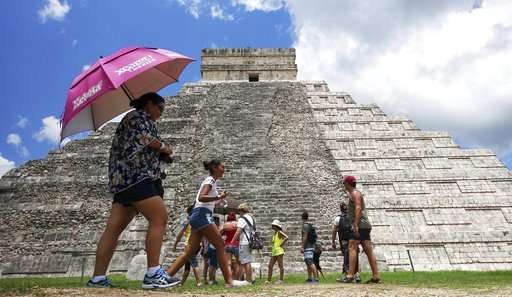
(312, 236)
(255, 240)
(344, 228)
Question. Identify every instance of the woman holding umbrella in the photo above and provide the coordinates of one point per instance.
(113, 85)
(134, 178)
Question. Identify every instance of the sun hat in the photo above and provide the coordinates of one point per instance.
(244, 207)
(277, 223)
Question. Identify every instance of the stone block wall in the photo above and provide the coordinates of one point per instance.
(285, 145)
(268, 64)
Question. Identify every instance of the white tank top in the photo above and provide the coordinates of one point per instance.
(213, 193)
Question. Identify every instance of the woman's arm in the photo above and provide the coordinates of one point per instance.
(179, 236)
(284, 237)
(203, 196)
(160, 146)
(236, 236)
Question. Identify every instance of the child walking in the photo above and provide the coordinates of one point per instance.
(278, 240)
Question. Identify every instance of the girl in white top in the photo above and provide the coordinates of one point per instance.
(202, 223)
(214, 192)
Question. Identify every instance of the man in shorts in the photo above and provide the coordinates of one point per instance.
(361, 228)
(308, 249)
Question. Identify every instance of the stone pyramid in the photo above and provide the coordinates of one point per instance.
(286, 144)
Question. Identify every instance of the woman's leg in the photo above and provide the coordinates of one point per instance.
(271, 267)
(280, 260)
(228, 256)
(214, 238)
(352, 249)
(205, 269)
(195, 270)
(155, 212)
(368, 249)
(185, 274)
(236, 267)
(120, 217)
(191, 248)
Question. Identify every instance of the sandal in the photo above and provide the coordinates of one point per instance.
(347, 280)
(373, 281)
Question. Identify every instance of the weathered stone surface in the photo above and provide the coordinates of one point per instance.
(138, 267)
(223, 64)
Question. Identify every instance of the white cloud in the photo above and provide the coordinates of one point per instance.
(216, 12)
(444, 64)
(22, 122)
(263, 5)
(5, 165)
(192, 7)
(13, 139)
(54, 10)
(50, 131)
(85, 67)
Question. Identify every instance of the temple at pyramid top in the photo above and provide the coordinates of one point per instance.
(248, 64)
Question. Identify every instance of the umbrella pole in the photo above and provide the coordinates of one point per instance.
(127, 92)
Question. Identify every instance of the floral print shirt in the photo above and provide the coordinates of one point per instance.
(131, 159)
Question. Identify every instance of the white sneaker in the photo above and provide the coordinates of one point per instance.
(237, 283)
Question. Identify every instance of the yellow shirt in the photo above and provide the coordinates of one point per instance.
(277, 249)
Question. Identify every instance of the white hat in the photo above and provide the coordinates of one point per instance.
(277, 224)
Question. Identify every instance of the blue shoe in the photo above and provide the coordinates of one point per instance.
(104, 283)
(160, 280)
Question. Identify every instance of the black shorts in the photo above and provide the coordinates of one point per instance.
(364, 234)
(140, 191)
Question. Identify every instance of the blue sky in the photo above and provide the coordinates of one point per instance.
(41, 59)
(412, 58)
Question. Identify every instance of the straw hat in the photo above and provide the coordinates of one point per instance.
(244, 207)
(277, 223)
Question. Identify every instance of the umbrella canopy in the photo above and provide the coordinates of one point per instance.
(230, 205)
(104, 91)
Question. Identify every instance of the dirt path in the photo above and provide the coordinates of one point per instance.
(287, 291)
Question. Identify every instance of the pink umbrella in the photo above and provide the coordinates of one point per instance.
(104, 91)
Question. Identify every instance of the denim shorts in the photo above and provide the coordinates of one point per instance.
(232, 250)
(212, 258)
(308, 256)
(200, 218)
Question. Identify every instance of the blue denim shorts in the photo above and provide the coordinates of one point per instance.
(212, 258)
(200, 218)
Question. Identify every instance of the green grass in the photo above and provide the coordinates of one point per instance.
(442, 279)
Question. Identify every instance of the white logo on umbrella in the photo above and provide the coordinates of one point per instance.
(146, 60)
(91, 92)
